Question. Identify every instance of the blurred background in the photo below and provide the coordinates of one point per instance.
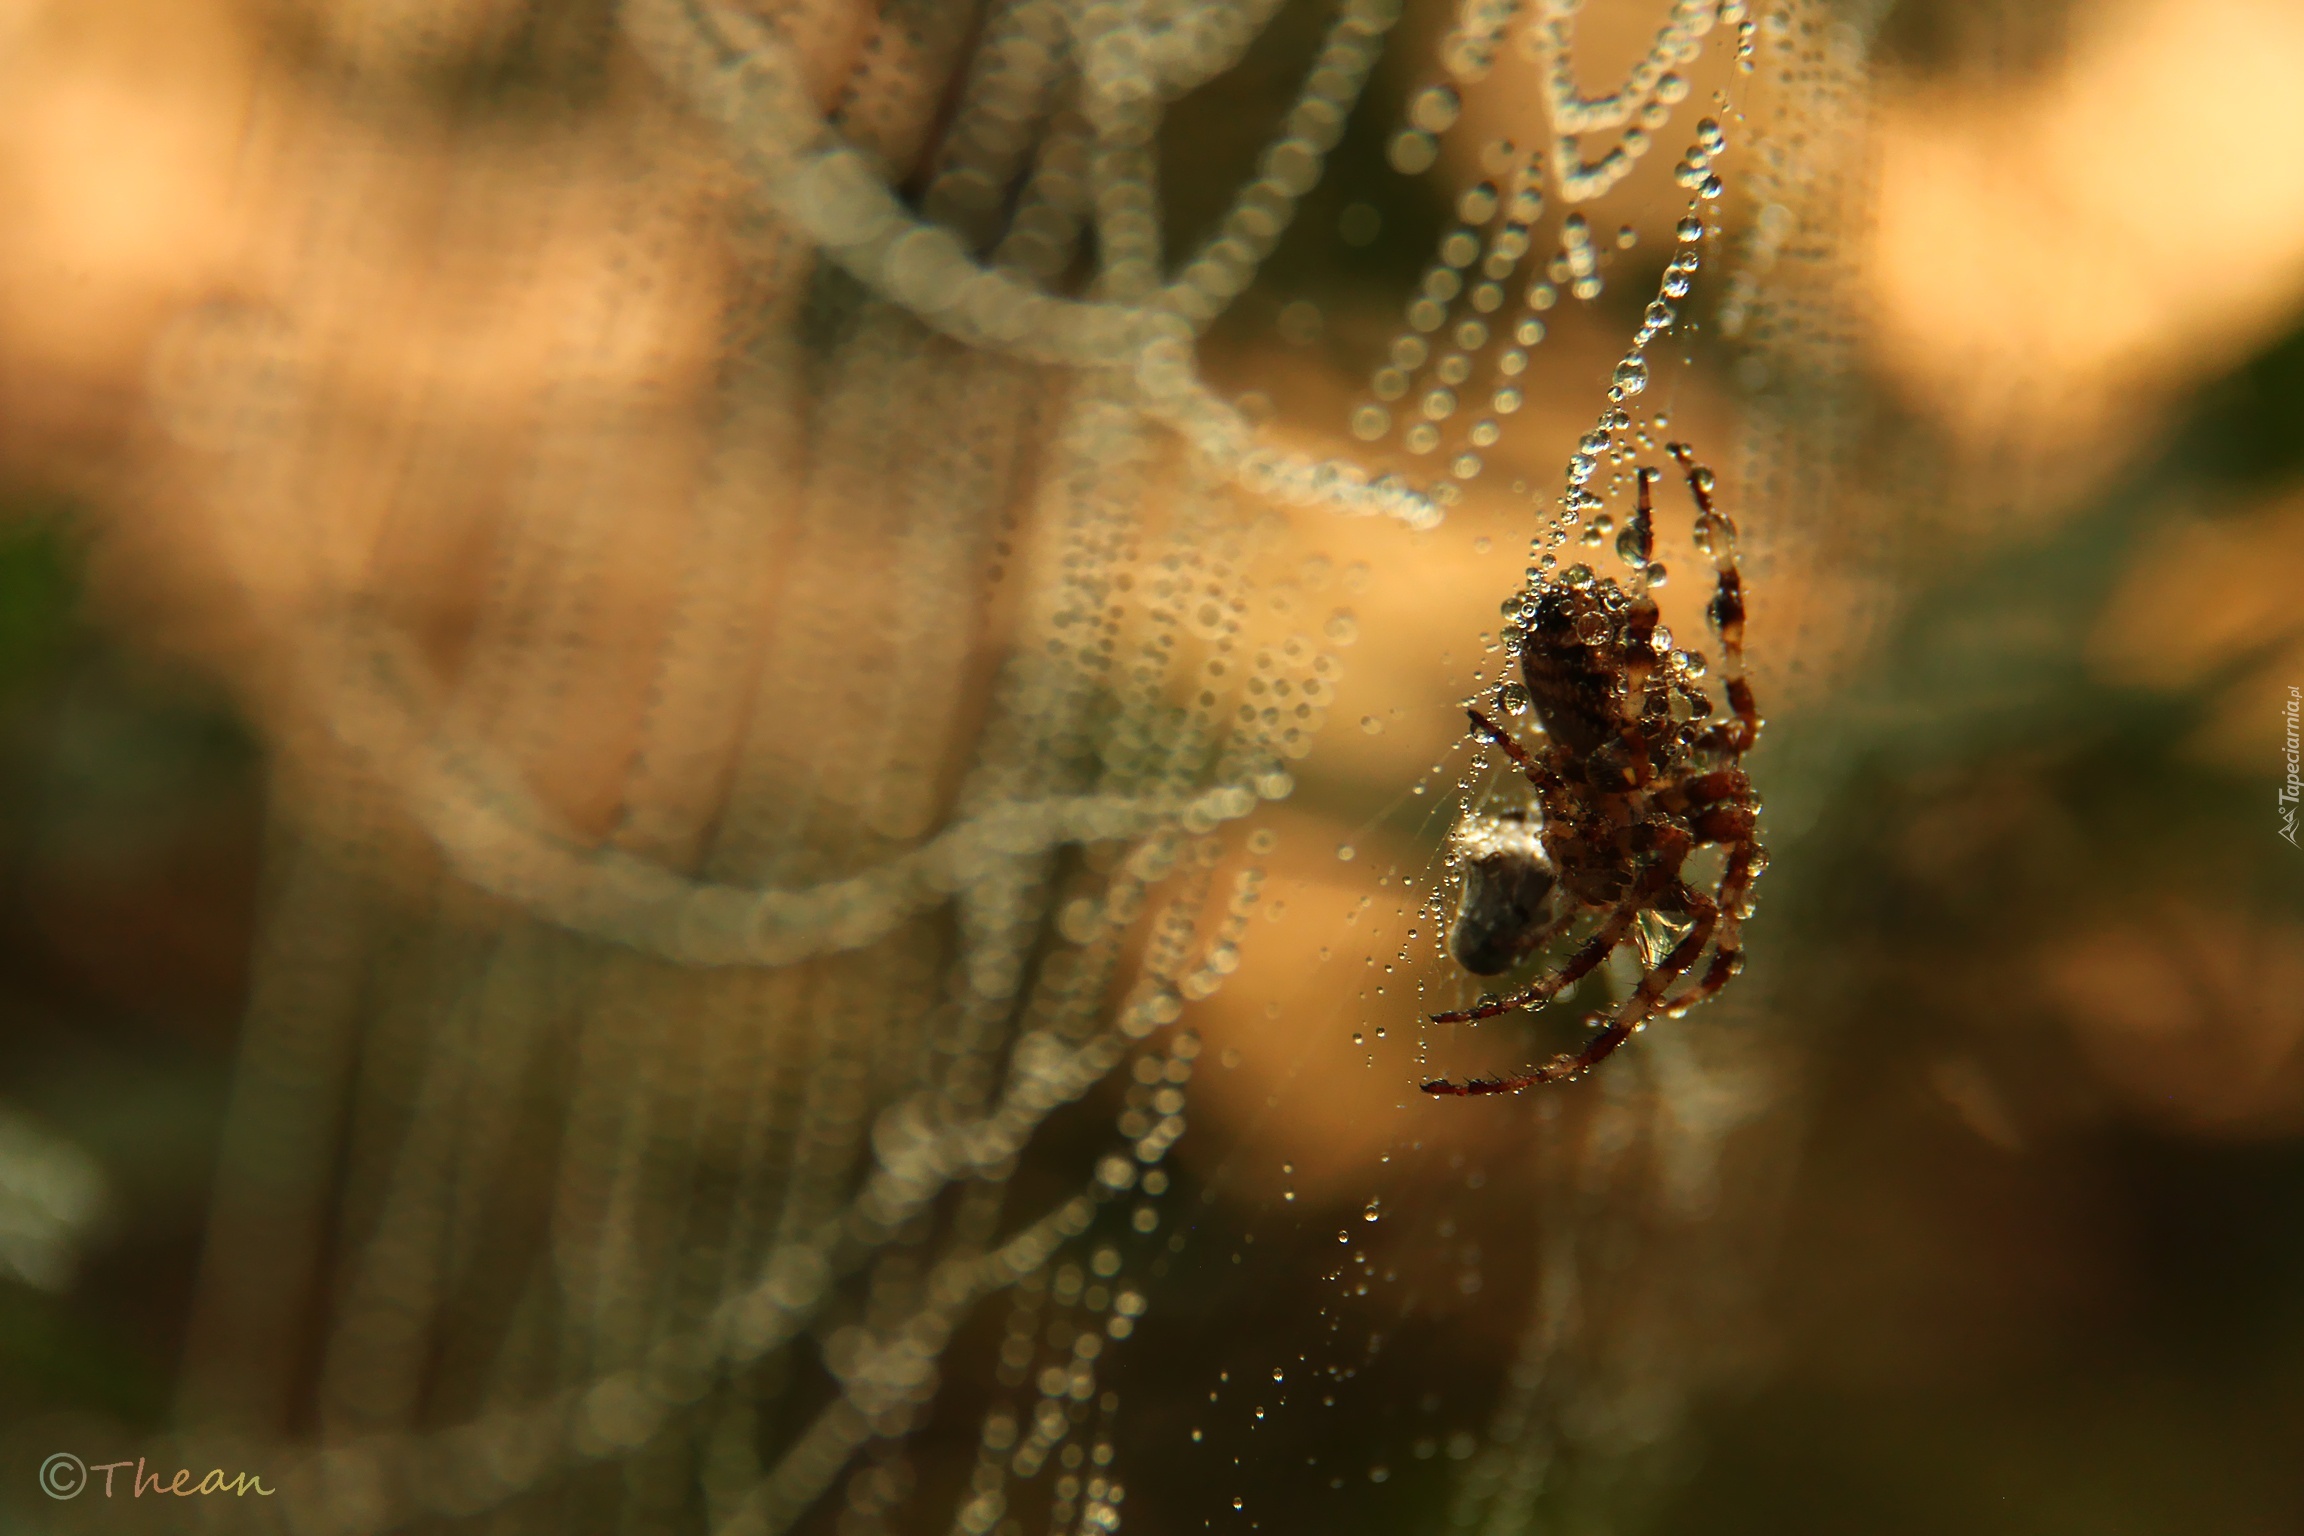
(1972, 1208)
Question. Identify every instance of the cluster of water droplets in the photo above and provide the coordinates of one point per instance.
(1460, 367)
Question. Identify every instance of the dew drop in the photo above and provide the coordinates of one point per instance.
(1346, 853)
(1689, 228)
(1515, 699)
(1631, 375)
(1478, 205)
(1435, 109)
(1411, 153)
(1371, 422)
(1300, 323)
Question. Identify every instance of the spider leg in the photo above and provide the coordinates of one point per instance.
(1539, 775)
(1716, 533)
(1728, 950)
(1635, 1012)
(1544, 988)
(1640, 533)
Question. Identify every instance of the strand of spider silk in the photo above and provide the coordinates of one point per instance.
(1040, 1074)
(1187, 43)
(1467, 53)
(1229, 256)
(1247, 749)
(451, 1032)
(880, 1374)
(748, 495)
(997, 1439)
(819, 1085)
(377, 1482)
(1499, 1489)
(1433, 304)
(1037, 741)
(408, 1227)
(1146, 751)
(1041, 703)
(1468, 337)
(1630, 379)
(1043, 239)
(838, 199)
(1011, 86)
(500, 839)
(612, 1415)
(1066, 1001)
(1553, 30)
(1650, 89)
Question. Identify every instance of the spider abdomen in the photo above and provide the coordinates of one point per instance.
(1505, 897)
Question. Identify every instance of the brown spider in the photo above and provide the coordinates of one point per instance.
(1632, 778)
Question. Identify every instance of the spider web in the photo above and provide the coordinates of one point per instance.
(716, 908)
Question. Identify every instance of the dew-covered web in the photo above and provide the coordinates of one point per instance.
(743, 969)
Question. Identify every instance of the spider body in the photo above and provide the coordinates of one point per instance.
(1636, 770)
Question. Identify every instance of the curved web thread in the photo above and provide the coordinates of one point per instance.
(626, 1119)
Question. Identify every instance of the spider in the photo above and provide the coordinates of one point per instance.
(1634, 775)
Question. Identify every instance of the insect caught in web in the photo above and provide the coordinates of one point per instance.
(1634, 774)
